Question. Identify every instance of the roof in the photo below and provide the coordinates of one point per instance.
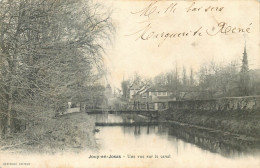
(143, 89)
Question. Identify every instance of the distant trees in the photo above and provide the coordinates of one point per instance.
(227, 80)
(50, 50)
(254, 88)
(218, 80)
(192, 81)
(169, 80)
(95, 96)
(212, 80)
(184, 77)
(125, 86)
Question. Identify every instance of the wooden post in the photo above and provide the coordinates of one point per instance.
(80, 106)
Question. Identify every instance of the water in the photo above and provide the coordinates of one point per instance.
(165, 145)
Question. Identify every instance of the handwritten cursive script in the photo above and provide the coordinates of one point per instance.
(147, 33)
(154, 10)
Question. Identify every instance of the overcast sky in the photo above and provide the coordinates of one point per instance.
(130, 54)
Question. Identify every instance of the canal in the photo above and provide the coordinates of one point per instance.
(141, 141)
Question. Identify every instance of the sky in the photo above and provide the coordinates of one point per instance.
(153, 55)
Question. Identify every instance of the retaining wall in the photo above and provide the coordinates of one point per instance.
(228, 104)
(239, 115)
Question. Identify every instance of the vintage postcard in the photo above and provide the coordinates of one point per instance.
(129, 83)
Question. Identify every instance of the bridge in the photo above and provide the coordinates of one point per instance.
(144, 123)
(148, 113)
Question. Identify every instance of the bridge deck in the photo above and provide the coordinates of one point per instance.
(121, 111)
(128, 123)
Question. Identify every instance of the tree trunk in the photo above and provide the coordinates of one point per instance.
(9, 116)
(1, 129)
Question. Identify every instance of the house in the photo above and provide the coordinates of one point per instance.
(158, 97)
(134, 88)
(139, 100)
(151, 98)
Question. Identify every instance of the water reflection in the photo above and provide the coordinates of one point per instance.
(216, 142)
(173, 137)
(108, 118)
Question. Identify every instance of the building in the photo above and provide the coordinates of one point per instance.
(158, 97)
(152, 98)
(134, 88)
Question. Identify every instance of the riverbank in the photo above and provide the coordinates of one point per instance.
(68, 133)
(236, 121)
(216, 141)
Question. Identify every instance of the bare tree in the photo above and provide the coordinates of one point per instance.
(50, 50)
(192, 81)
(184, 77)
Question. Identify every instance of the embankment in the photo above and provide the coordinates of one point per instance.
(240, 115)
(68, 133)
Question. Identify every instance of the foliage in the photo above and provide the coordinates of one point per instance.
(125, 85)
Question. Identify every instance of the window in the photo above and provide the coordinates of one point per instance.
(159, 93)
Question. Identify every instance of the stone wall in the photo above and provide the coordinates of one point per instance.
(239, 115)
(222, 104)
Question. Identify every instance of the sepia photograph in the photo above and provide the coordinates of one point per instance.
(129, 83)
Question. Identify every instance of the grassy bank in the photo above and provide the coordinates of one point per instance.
(68, 133)
(238, 122)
